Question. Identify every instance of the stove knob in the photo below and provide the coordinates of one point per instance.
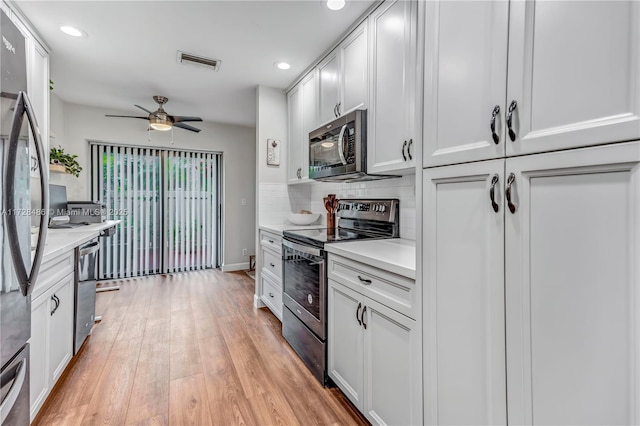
(383, 208)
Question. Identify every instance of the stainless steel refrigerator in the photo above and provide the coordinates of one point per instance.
(23, 191)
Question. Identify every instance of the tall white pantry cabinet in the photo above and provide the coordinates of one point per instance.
(531, 212)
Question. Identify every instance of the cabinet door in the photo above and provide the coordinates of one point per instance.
(355, 69)
(61, 328)
(392, 367)
(391, 109)
(38, 362)
(309, 119)
(463, 295)
(465, 74)
(573, 287)
(344, 341)
(294, 108)
(38, 84)
(329, 87)
(574, 72)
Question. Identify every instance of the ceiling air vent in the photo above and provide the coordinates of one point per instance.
(188, 58)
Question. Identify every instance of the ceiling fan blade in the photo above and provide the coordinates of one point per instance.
(145, 110)
(127, 116)
(182, 118)
(186, 127)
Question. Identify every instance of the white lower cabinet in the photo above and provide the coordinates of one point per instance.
(374, 356)
(270, 271)
(51, 339)
(573, 287)
(557, 266)
(463, 295)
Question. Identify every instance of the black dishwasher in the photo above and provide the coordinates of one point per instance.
(85, 292)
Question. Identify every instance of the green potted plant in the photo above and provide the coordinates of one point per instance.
(71, 165)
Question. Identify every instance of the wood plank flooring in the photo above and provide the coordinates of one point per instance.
(190, 349)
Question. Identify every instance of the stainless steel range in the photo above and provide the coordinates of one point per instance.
(304, 279)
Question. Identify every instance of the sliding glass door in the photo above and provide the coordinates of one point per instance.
(168, 201)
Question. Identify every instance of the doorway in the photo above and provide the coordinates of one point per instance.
(169, 202)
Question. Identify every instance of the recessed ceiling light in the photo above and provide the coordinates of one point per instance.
(282, 65)
(72, 31)
(335, 4)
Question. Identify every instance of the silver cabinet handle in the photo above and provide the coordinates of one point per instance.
(507, 192)
(512, 108)
(270, 294)
(364, 324)
(364, 280)
(272, 265)
(338, 109)
(494, 114)
(409, 149)
(492, 193)
(358, 313)
(404, 146)
(271, 241)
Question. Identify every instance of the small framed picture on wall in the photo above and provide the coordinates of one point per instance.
(273, 152)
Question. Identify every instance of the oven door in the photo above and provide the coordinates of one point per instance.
(304, 284)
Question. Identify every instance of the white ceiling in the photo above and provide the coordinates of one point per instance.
(130, 52)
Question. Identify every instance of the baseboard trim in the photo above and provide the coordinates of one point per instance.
(235, 267)
(257, 301)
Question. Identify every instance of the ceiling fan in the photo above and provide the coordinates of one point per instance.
(160, 120)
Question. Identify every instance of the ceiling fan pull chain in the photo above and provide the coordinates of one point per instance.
(171, 135)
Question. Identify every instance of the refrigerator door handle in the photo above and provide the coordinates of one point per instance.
(25, 279)
(14, 391)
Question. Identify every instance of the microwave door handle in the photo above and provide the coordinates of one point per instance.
(341, 145)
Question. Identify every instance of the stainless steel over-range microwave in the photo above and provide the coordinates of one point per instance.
(338, 150)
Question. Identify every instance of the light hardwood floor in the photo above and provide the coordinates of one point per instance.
(189, 349)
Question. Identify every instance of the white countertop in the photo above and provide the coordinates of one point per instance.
(278, 229)
(62, 240)
(395, 255)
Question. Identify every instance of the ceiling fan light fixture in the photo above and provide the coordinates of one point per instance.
(159, 124)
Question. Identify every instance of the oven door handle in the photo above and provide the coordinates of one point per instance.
(305, 249)
(341, 145)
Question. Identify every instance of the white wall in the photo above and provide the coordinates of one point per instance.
(81, 124)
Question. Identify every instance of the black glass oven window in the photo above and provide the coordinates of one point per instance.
(302, 279)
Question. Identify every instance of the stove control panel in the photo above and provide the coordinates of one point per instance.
(383, 210)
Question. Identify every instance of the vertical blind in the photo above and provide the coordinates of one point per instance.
(167, 201)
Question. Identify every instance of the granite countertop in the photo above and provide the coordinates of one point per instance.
(396, 255)
(62, 240)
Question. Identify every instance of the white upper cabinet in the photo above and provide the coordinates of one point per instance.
(38, 86)
(391, 133)
(329, 87)
(343, 77)
(303, 119)
(355, 70)
(572, 77)
(463, 294)
(574, 74)
(573, 287)
(465, 74)
(294, 110)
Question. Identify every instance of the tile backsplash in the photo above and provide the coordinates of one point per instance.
(277, 200)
